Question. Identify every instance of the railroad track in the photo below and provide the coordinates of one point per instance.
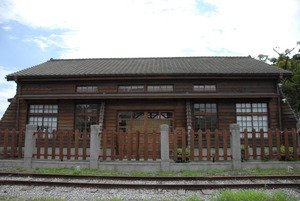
(170, 183)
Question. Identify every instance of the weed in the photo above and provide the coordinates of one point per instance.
(72, 171)
(164, 174)
(189, 173)
(250, 195)
(194, 198)
(179, 153)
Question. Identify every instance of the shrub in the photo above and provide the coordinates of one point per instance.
(282, 151)
(179, 153)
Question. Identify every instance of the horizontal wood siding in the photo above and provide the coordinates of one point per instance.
(9, 119)
(288, 116)
(246, 86)
(22, 114)
(66, 115)
(274, 114)
(226, 107)
(57, 87)
(226, 113)
(180, 86)
(10, 116)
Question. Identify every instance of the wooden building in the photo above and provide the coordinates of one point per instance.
(132, 94)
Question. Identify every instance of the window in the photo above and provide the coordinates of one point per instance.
(131, 88)
(160, 88)
(86, 115)
(86, 89)
(43, 116)
(252, 115)
(205, 116)
(205, 88)
(141, 121)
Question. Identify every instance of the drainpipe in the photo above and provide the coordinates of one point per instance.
(279, 101)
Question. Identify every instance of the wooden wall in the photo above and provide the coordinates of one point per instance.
(288, 116)
(226, 107)
(180, 86)
(226, 113)
(66, 113)
(9, 117)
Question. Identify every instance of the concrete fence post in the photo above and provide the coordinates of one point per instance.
(30, 141)
(95, 146)
(164, 148)
(235, 143)
(298, 134)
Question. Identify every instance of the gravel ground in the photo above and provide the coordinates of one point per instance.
(67, 193)
(71, 193)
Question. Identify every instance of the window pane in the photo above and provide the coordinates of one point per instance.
(80, 123)
(40, 109)
(31, 109)
(124, 122)
(125, 115)
(138, 115)
(150, 88)
(170, 88)
(166, 115)
(200, 123)
(92, 108)
(55, 109)
(121, 88)
(202, 108)
(80, 108)
(153, 115)
(196, 108)
(160, 88)
(127, 88)
(156, 88)
(140, 88)
(205, 88)
(87, 88)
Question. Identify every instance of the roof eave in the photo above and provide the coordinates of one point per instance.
(15, 77)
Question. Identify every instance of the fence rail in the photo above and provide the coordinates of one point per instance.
(11, 143)
(272, 144)
(183, 146)
(62, 145)
(127, 146)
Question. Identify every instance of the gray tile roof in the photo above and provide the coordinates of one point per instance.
(202, 66)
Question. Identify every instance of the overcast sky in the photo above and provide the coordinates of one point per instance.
(33, 31)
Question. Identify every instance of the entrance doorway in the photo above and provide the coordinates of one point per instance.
(131, 121)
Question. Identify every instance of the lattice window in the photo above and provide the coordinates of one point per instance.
(252, 116)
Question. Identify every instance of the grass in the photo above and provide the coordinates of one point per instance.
(185, 173)
(250, 195)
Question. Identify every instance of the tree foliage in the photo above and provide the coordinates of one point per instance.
(290, 86)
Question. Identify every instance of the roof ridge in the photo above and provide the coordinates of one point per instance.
(123, 58)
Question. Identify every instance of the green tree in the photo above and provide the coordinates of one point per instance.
(290, 86)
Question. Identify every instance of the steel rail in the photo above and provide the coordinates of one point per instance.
(149, 186)
(152, 178)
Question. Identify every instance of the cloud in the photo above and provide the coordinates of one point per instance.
(44, 42)
(127, 28)
(7, 90)
(6, 28)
